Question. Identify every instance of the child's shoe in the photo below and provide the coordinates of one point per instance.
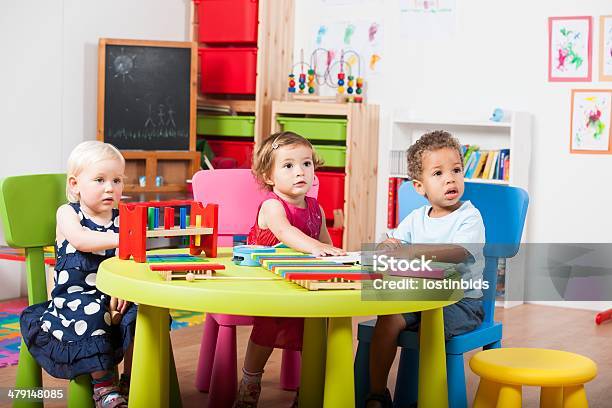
(379, 400)
(124, 385)
(109, 397)
(249, 390)
(296, 399)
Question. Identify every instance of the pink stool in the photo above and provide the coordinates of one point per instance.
(217, 365)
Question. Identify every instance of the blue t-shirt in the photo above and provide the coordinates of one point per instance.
(463, 226)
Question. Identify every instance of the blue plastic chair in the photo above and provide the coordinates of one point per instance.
(503, 210)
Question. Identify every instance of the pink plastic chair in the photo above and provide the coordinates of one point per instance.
(238, 196)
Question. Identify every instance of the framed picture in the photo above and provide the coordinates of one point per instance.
(570, 49)
(605, 51)
(590, 121)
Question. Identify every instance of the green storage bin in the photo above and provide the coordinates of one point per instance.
(315, 128)
(333, 156)
(213, 125)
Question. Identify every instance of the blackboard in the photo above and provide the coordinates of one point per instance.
(146, 95)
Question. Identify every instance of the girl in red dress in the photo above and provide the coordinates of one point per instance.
(284, 164)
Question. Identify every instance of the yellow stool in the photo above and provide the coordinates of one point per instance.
(504, 371)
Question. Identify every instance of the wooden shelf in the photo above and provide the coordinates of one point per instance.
(176, 167)
(311, 108)
(237, 105)
(171, 188)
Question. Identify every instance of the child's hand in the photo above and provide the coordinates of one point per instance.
(328, 250)
(122, 305)
(390, 244)
(117, 309)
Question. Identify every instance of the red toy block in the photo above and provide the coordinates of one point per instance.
(132, 233)
(168, 217)
(209, 219)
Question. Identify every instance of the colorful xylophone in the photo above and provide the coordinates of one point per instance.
(313, 273)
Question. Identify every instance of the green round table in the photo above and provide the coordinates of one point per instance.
(327, 355)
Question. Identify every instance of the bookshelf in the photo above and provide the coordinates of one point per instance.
(514, 135)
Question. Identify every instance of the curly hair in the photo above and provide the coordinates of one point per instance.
(263, 157)
(437, 139)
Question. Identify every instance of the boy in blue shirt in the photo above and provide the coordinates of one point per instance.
(436, 168)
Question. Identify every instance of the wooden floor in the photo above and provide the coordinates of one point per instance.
(524, 326)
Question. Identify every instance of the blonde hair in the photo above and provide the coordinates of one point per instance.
(85, 154)
(263, 157)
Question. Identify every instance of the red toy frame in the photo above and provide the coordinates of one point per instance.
(133, 230)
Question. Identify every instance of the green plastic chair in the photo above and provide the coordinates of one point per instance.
(27, 206)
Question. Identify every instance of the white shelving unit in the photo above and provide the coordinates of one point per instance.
(514, 135)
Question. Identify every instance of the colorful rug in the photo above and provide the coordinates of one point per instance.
(10, 339)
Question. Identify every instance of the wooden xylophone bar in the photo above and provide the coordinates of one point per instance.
(198, 271)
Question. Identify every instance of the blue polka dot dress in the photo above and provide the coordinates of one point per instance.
(72, 334)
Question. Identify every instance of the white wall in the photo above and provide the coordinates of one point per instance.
(498, 57)
(48, 78)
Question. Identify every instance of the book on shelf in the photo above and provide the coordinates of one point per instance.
(392, 203)
(398, 162)
(469, 149)
(493, 170)
(488, 164)
(482, 159)
(502, 171)
(472, 164)
(485, 164)
(507, 167)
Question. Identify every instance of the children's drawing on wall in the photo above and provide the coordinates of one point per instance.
(427, 19)
(570, 49)
(363, 37)
(590, 121)
(344, 55)
(605, 52)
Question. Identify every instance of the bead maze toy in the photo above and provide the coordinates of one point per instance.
(349, 88)
(136, 227)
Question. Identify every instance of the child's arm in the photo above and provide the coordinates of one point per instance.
(324, 236)
(438, 252)
(70, 228)
(275, 220)
(469, 237)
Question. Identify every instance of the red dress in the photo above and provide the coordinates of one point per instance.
(284, 332)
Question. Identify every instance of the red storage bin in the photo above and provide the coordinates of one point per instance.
(242, 152)
(227, 21)
(228, 70)
(331, 192)
(336, 236)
